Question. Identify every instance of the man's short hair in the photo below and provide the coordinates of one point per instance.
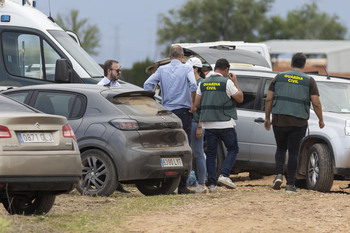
(222, 64)
(108, 66)
(298, 60)
(176, 51)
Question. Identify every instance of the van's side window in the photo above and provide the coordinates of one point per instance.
(27, 55)
(249, 86)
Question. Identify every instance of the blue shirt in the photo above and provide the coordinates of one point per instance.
(177, 81)
(106, 81)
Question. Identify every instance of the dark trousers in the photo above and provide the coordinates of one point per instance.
(288, 138)
(186, 118)
(229, 137)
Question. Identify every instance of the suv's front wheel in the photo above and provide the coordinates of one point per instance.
(319, 168)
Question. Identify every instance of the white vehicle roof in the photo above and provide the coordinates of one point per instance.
(260, 48)
(24, 16)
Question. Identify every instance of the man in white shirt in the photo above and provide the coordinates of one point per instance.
(112, 72)
(217, 96)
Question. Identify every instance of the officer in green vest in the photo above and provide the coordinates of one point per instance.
(289, 97)
(216, 96)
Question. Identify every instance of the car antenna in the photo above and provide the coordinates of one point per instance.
(325, 70)
(50, 17)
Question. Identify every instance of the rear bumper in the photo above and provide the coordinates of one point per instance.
(40, 163)
(146, 164)
(24, 184)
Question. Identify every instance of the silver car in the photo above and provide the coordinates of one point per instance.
(324, 153)
(39, 158)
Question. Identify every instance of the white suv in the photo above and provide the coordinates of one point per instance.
(324, 153)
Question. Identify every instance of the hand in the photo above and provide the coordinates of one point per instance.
(193, 109)
(233, 77)
(199, 133)
(267, 124)
(321, 124)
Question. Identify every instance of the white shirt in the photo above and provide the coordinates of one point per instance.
(105, 81)
(231, 90)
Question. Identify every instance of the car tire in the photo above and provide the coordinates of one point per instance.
(158, 186)
(253, 175)
(37, 205)
(99, 176)
(319, 168)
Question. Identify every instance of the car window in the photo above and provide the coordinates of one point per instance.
(250, 87)
(70, 105)
(28, 55)
(19, 96)
(138, 105)
(8, 105)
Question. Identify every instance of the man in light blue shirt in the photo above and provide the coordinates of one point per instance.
(112, 72)
(178, 88)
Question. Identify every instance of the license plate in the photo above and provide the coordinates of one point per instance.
(35, 137)
(171, 162)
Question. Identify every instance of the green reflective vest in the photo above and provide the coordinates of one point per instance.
(292, 94)
(216, 105)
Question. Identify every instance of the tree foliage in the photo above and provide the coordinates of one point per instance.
(89, 34)
(213, 20)
(137, 74)
(308, 22)
(245, 20)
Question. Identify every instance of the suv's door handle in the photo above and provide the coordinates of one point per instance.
(259, 120)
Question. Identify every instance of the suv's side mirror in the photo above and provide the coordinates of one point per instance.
(63, 71)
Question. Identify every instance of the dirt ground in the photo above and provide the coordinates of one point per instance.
(255, 207)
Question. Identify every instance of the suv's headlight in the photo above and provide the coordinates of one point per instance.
(347, 127)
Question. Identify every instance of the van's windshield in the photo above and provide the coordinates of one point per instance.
(78, 53)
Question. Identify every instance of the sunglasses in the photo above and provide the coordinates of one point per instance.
(117, 70)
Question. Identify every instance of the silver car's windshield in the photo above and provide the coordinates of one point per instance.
(335, 97)
(79, 54)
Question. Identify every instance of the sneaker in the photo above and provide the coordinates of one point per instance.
(201, 188)
(213, 188)
(184, 190)
(277, 182)
(291, 189)
(226, 181)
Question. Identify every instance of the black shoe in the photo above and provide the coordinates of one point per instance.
(291, 189)
(277, 182)
(121, 189)
(184, 190)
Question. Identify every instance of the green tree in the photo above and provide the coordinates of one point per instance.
(213, 20)
(308, 22)
(137, 74)
(89, 35)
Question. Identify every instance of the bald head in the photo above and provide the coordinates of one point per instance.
(176, 52)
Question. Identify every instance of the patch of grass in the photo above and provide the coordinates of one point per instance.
(5, 226)
(75, 213)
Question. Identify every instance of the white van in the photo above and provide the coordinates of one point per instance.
(35, 50)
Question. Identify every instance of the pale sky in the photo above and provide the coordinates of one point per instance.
(129, 27)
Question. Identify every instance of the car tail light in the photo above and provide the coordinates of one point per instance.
(4, 132)
(68, 132)
(125, 124)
